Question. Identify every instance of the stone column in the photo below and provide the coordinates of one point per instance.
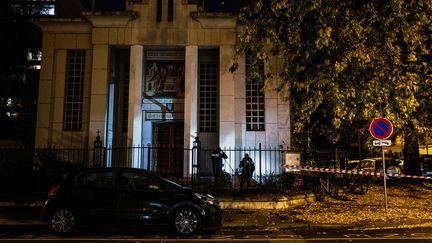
(44, 115)
(240, 103)
(135, 103)
(98, 92)
(227, 111)
(191, 102)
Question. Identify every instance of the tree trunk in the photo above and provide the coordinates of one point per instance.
(411, 155)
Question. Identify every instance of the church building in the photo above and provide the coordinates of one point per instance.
(152, 73)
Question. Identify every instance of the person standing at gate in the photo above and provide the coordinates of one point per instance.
(247, 167)
(217, 156)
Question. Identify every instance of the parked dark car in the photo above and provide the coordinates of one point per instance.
(119, 197)
(426, 165)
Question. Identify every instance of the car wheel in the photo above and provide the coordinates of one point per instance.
(63, 222)
(186, 221)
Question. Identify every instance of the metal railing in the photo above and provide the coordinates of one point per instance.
(188, 166)
(191, 165)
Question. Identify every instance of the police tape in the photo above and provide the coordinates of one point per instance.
(351, 172)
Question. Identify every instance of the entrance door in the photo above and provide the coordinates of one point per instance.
(168, 152)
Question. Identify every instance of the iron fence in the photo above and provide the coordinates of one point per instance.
(192, 166)
(188, 166)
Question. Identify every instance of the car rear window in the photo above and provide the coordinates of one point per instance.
(96, 179)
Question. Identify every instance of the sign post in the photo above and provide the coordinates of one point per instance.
(381, 129)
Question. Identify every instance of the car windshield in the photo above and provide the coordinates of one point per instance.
(172, 183)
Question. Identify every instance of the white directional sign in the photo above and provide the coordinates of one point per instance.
(381, 143)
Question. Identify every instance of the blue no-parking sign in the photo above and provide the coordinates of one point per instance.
(381, 128)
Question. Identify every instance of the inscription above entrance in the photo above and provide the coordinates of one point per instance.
(163, 116)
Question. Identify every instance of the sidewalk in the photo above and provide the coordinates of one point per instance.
(22, 200)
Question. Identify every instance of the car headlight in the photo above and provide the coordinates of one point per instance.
(206, 198)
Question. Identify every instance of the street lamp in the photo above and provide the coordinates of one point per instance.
(196, 143)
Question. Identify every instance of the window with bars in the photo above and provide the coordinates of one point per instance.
(208, 97)
(74, 90)
(255, 112)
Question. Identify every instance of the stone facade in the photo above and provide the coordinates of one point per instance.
(135, 37)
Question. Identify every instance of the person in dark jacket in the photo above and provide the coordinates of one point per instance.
(217, 159)
(247, 167)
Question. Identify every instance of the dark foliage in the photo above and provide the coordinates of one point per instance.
(19, 40)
